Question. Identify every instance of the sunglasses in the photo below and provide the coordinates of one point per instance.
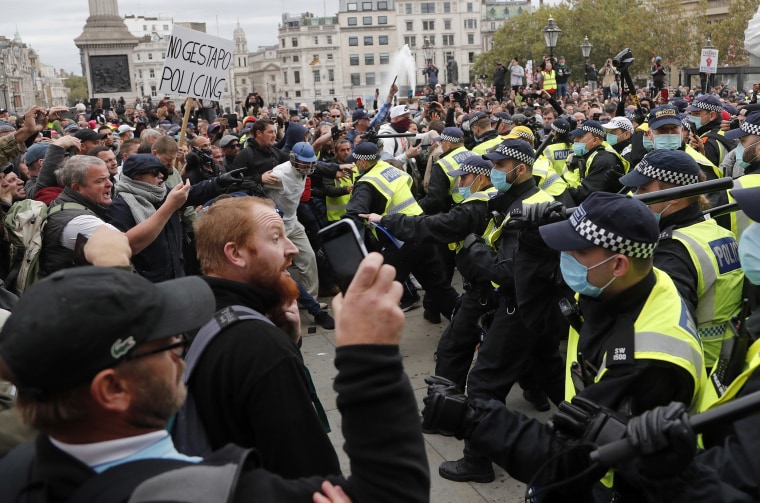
(233, 145)
(178, 348)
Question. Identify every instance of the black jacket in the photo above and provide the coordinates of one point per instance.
(258, 160)
(380, 423)
(438, 197)
(592, 176)
(251, 389)
(163, 259)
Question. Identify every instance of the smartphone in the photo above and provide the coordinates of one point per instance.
(344, 248)
(46, 133)
(664, 94)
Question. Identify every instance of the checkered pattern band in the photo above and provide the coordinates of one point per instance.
(750, 128)
(685, 122)
(366, 157)
(707, 106)
(524, 134)
(515, 154)
(476, 170)
(452, 139)
(559, 130)
(665, 175)
(593, 130)
(606, 239)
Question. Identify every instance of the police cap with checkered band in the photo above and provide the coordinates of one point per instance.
(366, 151)
(669, 166)
(589, 126)
(615, 222)
(708, 102)
(751, 125)
(512, 149)
(474, 164)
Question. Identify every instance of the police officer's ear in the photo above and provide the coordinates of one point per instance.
(621, 264)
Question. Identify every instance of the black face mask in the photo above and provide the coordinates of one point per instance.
(401, 126)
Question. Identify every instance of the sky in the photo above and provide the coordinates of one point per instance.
(51, 27)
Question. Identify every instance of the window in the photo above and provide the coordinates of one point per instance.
(317, 92)
(329, 39)
(331, 91)
(470, 24)
(370, 78)
(153, 91)
(329, 57)
(446, 6)
(352, 6)
(285, 77)
(316, 76)
(411, 41)
(369, 40)
(382, 5)
(352, 21)
(353, 41)
(470, 38)
(408, 8)
(369, 59)
(382, 39)
(427, 7)
(367, 20)
(242, 81)
(166, 27)
(384, 58)
(447, 24)
(331, 75)
(139, 74)
(287, 94)
(150, 55)
(163, 55)
(145, 27)
(283, 43)
(316, 40)
(366, 5)
(298, 94)
(428, 25)
(470, 57)
(294, 42)
(138, 56)
(353, 60)
(152, 73)
(469, 7)
(410, 26)
(448, 39)
(382, 19)
(284, 59)
(296, 77)
(355, 79)
(296, 58)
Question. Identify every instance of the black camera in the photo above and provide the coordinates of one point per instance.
(623, 60)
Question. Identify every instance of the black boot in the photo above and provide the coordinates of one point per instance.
(468, 469)
(538, 398)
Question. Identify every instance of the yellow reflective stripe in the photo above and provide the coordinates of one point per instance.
(400, 207)
(380, 184)
(708, 277)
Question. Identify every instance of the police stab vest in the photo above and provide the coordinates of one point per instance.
(483, 148)
(336, 206)
(714, 252)
(482, 195)
(396, 186)
(556, 154)
(739, 220)
(709, 397)
(451, 163)
(547, 179)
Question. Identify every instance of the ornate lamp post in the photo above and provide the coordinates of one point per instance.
(551, 33)
(586, 49)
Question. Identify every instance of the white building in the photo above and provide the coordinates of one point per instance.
(309, 57)
(266, 75)
(148, 57)
(495, 12)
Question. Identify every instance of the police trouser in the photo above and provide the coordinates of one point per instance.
(425, 263)
(456, 347)
(508, 349)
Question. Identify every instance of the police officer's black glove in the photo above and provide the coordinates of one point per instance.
(230, 178)
(665, 439)
(587, 422)
(533, 216)
(611, 181)
(447, 410)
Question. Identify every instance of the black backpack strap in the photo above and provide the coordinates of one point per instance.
(730, 145)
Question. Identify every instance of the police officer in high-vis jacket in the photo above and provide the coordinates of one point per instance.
(597, 159)
(633, 347)
(442, 191)
(456, 347)
(700, 256)
(386, 190)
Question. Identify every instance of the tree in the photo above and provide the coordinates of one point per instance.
(77, 88)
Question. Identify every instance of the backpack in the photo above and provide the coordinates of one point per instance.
(24, 224)
(186, 428)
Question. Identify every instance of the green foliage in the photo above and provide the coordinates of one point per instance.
(650, 28)
(77, 88)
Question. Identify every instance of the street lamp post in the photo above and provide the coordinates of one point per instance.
(551, 33)
(586, 49)
(427, 51)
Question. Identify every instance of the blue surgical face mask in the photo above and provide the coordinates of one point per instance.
(658, 216)
(740, 156)
(499, 179)
(576, 275)
(612, 139)
(696, 120)
(749, 253)
(667, 141)
(466, 192)
(648, 145)
(579, 148)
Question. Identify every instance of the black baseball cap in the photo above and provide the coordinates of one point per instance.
(88, 135)
(136, 164)
(76, 322)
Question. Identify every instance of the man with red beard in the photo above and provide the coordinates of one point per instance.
(250, 385)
